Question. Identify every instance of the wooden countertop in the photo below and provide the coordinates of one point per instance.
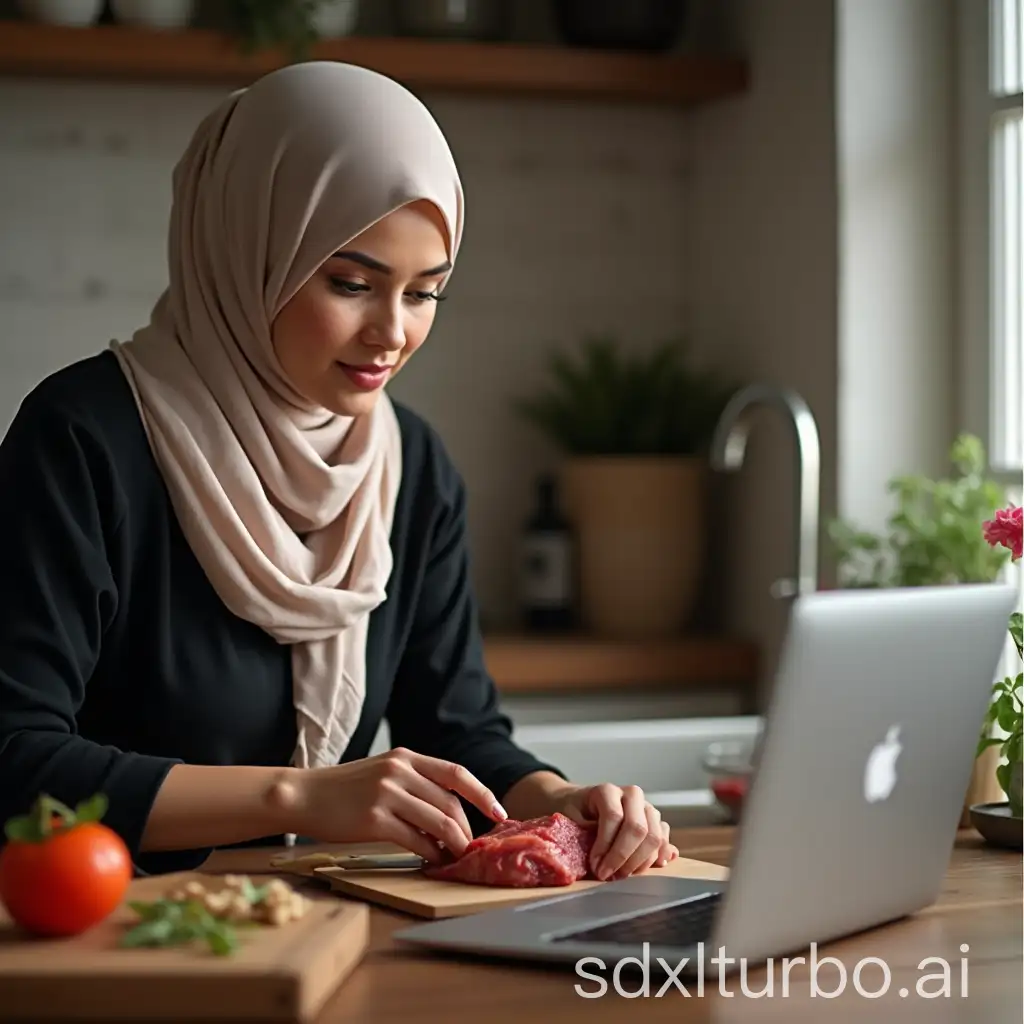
(584, 664)
(980, 905)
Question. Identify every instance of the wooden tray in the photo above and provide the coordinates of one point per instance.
(408, 890)
(277, 974)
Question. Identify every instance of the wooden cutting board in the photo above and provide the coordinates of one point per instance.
(281, 973)
(408, 890)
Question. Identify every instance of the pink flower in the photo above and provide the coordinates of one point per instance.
(1006, 529)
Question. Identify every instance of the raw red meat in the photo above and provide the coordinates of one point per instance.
(549, 851)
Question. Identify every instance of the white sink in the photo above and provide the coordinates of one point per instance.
(662, 756)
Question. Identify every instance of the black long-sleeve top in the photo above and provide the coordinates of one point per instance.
(118, 659)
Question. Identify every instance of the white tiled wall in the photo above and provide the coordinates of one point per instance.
(719, 223)
(574, 223)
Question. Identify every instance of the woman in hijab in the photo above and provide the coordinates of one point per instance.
(229, 556)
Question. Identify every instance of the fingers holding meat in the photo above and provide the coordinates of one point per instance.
(637, 838)
(668, 851)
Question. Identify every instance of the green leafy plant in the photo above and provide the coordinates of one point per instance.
(1006, 530)
(932, 537)
(603, 402)
(262, 24)
(1007, 713)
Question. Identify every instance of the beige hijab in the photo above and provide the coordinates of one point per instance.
(287, 506)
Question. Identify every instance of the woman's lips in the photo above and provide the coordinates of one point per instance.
(368, 377)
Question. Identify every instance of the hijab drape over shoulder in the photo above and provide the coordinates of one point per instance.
(287, 506)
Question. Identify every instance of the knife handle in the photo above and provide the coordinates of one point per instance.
(370, 861)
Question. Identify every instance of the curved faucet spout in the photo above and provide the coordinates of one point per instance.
(728, 448)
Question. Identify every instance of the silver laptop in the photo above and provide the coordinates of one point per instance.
(850, 819)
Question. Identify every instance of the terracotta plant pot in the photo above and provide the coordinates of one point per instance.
(640, 527)
(335, 18)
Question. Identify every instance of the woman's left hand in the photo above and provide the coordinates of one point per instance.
(631, 836)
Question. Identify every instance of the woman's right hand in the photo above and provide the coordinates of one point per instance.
(399, 796)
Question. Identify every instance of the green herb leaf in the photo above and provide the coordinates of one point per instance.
(222, 941)
(156, 931)
(1016, 627)
(253, 893)
(151, 911)
(177, 923)
(92, 809)
(22, 829)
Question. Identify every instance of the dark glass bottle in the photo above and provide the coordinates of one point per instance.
(547, 576)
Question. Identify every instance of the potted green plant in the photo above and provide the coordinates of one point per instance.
(932, 539)
(1006, 712)
(294, 25)
(633, 430)
(932, 535)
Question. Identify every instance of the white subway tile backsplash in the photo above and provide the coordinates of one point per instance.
(575, 224)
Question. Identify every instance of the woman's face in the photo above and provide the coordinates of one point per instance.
(366, 310)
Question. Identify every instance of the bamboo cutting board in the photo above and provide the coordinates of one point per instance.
(407, 889)
(281, 973)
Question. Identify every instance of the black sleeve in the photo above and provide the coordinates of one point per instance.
(59, 514)
(444, 703)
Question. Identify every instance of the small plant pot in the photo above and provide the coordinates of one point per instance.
(163, 14)
(454, 19)
(333, 19)
(77, 13)
(640, 529)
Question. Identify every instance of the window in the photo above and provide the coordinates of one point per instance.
(991, 271)
(992, 194)
(1007, 202)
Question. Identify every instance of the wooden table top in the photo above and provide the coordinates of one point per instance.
(980, 905)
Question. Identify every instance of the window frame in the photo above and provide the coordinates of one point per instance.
(976, 106)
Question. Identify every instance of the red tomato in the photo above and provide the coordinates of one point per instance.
(65, 881)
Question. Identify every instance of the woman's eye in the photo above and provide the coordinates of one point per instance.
(345, 287)
(348, 287)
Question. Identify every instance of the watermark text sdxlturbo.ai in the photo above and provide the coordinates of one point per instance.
(828, 977)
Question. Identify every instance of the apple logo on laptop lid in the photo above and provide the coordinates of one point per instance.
(880, 774)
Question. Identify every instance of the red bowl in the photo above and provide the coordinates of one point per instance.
(729, 768)
(730, 793)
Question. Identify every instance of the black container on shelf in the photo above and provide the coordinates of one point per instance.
(651, 25)
(547, 579)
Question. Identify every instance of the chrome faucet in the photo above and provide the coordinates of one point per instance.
(727, 450)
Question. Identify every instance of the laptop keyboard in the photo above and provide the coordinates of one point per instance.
(682, 924)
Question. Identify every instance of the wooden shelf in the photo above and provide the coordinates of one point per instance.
(542, 665)
(118, 52)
